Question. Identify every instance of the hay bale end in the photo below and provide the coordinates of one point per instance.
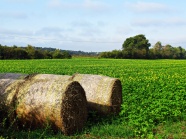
(60, 103)
(104, 94)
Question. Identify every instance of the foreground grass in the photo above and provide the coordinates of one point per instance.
(154, 97)
(169, 130)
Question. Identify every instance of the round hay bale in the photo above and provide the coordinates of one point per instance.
(9, 83)
(104, 94)
(15, 76)
(52, 77)
(43, 99)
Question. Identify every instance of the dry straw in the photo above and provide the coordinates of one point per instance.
(42, 99)
(9, 83)
(104, 94)
(58, 100)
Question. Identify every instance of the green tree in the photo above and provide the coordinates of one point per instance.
(1, 52)
(180, 52)
(47, 54)
(136, 47)
(31, 51)
(67, 55)
(19, 53)
(157, 50)
(168, 52)
(57, 54)
(38, 54)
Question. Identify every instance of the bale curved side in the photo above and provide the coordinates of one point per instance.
(52, 77)
(60, 103)
(104, 94)
(9, 83)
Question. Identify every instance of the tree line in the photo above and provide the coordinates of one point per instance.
(31, 52)
(138, 47)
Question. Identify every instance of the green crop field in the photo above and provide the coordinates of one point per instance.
(154, 96)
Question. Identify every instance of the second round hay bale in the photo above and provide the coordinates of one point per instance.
(60, 103)
(52, 77)
(104, 94)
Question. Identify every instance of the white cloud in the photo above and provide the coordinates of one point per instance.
(86, 5)
(55, 3)
(18, 0)
(81, 23)
(48, 31)
(84, 39)
(91, 32)
(15, 37)
(123, 30)
(15, 15)
(168, 38)
(15, 32)
(94, 5)
(176, 21)
(165, 22)
(147, 7)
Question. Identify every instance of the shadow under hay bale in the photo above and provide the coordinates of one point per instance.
(104, 94)
(60, 103)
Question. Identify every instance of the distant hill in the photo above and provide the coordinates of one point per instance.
(32, 52)
(71, 52)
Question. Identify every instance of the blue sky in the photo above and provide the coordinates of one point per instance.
(91, 25)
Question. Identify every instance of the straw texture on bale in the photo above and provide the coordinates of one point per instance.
(9, 83)
(104, 94)
(45, 99)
